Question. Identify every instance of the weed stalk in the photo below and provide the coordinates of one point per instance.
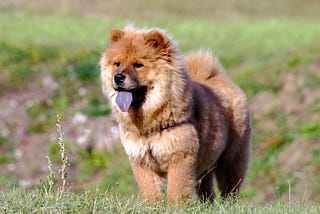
(289, 191)
(50, 178)
(64, 158)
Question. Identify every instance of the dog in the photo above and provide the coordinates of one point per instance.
(183, 123)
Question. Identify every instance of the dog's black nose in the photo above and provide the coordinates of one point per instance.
(119, 78)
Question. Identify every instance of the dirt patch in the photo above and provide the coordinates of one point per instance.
(31, 149)
(295, 99)
(285, 113)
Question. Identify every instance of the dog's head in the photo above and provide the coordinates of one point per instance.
(136, 64)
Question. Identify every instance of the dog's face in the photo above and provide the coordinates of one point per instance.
(137, 62)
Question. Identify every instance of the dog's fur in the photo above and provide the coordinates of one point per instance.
(188, 123)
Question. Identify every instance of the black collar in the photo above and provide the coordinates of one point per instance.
(167, 126)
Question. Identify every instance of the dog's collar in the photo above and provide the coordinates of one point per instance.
(167, 126)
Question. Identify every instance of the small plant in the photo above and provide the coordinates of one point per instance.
(51, 178)
(64, 158)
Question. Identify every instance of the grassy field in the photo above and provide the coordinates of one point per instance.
(48, 66)
(21, 201)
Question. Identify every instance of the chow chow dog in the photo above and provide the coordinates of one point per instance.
(183, 123)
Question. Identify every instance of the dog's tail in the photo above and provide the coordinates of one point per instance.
(206, 69)
(203, 66)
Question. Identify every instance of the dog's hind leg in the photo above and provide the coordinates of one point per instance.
(206, 186)
(232, 166)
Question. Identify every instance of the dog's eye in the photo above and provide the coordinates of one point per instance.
(137, 65)
(117, 64)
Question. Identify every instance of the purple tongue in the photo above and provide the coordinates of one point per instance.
(124, 100)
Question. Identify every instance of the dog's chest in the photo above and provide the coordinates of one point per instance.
(159, 149)
(154, 154)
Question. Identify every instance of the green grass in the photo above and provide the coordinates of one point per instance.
(255, 53)
(95, 201)
(245, 47)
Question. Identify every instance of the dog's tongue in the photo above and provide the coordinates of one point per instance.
(124, 100)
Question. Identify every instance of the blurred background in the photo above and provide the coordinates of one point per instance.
(49, 51)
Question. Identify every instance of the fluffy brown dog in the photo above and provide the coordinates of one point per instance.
(180, 119)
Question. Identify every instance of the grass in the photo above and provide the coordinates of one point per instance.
(96, 201)
(247, 47)
(255, 52)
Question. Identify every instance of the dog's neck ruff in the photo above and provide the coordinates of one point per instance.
(166, 126)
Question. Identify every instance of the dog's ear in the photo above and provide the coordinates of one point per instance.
(156, 39)
(116, 35)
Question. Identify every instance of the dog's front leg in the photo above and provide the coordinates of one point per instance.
(181, 179)
(150, 183)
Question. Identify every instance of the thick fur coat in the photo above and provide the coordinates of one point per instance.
(187, 123)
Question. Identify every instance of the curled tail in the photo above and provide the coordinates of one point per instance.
(206, 69)
(202, 66)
